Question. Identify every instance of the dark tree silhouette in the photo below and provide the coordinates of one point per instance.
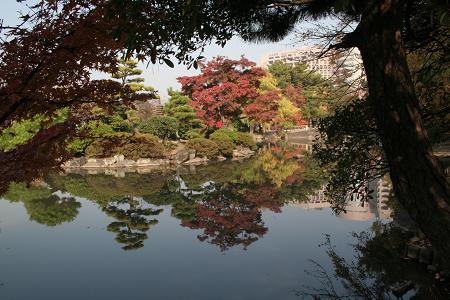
(133, 222)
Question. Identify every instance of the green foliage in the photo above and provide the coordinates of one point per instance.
(192, 134)
(223, 132)
(127, 73)
(20, 192)
(203, 147)
(319, 93)
(18, 133)
(224, 142)
(244, 139)
(78, 146)
(41, 205)
(160, 126)
(119, 124)
(52, 211)
(178, 107)
(132, 146)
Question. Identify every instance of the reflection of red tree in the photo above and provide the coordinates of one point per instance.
(286, 153)
(227, 223)
(298, 176)
(264, 196)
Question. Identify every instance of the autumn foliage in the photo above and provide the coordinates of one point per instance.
(223, 89)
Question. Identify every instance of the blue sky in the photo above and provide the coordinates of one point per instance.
(161, 76)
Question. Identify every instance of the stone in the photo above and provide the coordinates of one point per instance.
(129, 163)
(191, 154)
(182, 156)
(110, 161)
(196, 161)
(221, 158)
(119, 158)
(242, 152)
(401, 288)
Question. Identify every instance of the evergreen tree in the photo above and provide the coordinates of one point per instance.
(178, 107)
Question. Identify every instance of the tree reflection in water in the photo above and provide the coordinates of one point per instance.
(42, 206)
(376, 269)
(224, 200)
(133, 221)
(227, 217)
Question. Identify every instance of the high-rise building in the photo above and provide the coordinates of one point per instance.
(307, 55)
(325, 65)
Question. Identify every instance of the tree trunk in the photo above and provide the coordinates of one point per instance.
(418, 179)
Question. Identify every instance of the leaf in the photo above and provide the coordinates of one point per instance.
(168, 62)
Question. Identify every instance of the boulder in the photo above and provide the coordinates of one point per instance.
(242, 152)
(182, 156)
(93, 163)
(196, 161)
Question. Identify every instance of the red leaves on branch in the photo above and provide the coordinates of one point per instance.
(223, 89)
(265, 107)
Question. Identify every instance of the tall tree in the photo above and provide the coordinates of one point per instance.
(179, 108)
(223, 88)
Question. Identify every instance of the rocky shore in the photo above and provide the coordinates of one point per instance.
(181, 157)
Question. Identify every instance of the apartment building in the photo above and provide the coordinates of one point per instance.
(325, 65)
(307, 55)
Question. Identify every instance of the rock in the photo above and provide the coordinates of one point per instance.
(75, 163)
(242, 152)
(110, 161)
(147, 162)
(182, 156)
(94, 163)
(196, 161)
(119, 158)
(400, 288)
(129, 163)
(221, 158)
(191, 154)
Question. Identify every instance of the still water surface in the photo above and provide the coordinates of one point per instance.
(230, 230)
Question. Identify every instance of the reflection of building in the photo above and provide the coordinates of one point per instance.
(356, 208)
(307, 55)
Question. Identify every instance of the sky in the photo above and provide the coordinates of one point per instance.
(161, 77)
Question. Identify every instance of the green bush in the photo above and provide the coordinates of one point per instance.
(192, 134)
(224, 142)
(203, 147)
(132, 146)
(223, 132)
(245, 139)
(78, 146)
(160, 126)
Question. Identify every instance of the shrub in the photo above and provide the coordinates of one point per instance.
(245, 139)
(224, 142)
(192, 134)
(203, 147)
(131, 146)
(160, 126)
(223, 132)
(78, 146)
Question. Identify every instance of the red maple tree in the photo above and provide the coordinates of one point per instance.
(223, 89)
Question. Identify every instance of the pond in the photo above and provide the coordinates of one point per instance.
(254, 229)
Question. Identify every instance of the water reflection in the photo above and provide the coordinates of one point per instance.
(223, 200)
(228, 205)
(42, 206)
(133, 221)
